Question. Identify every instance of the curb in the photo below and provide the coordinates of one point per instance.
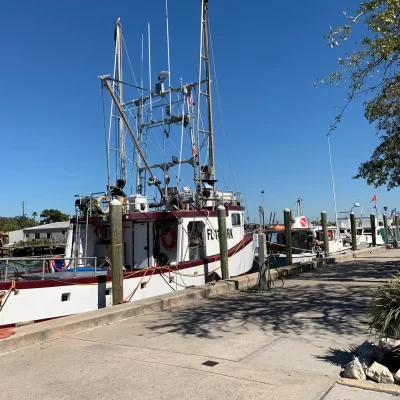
(375, 387)
(29, 335)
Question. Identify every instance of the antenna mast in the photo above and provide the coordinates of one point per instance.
(119, 92)
(204, 56)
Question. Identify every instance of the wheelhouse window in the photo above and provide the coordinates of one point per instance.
(235, 219)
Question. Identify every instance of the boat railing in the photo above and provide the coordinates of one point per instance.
(231, 196)
(25, 267)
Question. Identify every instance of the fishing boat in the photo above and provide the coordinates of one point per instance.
(307, 240)
(170, 229)
(364, 230)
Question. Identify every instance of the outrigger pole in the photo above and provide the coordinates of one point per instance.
(153, 180)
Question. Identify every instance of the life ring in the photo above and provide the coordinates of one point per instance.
(102, 203)
(168, 238)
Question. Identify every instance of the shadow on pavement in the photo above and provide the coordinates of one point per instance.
(338, 357)
(294, 309)
(363, 269)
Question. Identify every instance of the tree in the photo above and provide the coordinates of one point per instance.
(34, 215)
(49, 215)
(372, 68)
(8, 224)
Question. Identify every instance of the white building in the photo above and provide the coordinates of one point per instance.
(56, 232)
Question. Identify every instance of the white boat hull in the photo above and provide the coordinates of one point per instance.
(37, 300)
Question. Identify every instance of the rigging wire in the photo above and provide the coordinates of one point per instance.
(220, 108)
(106, 139)
(130, 64)
(182, 132)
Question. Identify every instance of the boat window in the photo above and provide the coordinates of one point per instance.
(330, 234)
(367, 231)
(235, 219)
(195, 233)
(106, 233)
(359, 231)
(378, 232)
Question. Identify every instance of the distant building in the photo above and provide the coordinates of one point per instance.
(15, 236)
(56, 232)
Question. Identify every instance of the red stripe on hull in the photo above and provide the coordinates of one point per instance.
(36, 284)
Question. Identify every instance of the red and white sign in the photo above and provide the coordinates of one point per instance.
(303, 222)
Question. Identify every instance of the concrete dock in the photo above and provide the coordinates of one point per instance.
(290, 343)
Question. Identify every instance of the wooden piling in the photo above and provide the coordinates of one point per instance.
(117, 252)
(262, 260)
(385, 227)
(287, 216)
(223, 241)
(373, 229)
(353, 231)
(396, 226)
(324, 224)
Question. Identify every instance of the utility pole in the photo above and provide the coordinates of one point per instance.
(23, 214)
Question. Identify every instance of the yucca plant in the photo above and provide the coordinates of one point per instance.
(384, 311)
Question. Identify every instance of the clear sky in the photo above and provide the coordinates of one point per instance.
(267, 54)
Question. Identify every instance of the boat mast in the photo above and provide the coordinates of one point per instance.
(204, 57)
(118, 79)
(153, 180)
(298, 206)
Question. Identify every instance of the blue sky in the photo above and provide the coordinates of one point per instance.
(267, 55)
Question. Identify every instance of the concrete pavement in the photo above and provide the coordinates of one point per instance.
(290, 343)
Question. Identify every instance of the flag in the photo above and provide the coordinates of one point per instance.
(374, 198)
(376, 208)
(190, 100)
(194, 151)
(392, 213)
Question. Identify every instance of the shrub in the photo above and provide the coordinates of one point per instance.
(384, 311)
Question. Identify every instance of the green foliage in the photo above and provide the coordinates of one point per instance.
(372, 68)
(385, 309)
(383, 168)
(50, 215)
(15, 223)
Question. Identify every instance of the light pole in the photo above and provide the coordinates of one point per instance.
(355, 206)
(263, 208)
(332, 178)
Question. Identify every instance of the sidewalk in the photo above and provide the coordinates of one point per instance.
(286, 344)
